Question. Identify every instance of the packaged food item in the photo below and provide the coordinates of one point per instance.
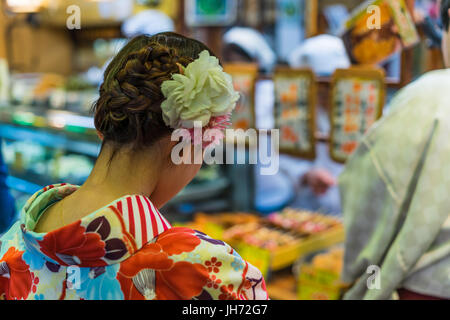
(330, 261)
(319, 275)
(216, 224)
(256, 234)
(285, 228)
(377, 29)
(226, 219)
(303, 222)
(275, 242)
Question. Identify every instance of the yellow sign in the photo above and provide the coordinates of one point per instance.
(260, 258)
(169, 7)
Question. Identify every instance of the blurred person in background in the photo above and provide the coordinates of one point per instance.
(426, 16)
(249, 45)
(300, 183)
(147, 22)
(446, 34)
(395, 195)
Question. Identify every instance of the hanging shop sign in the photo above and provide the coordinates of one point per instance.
(295, 101)
(357, 100)
(169, 7)
(210, 13)
(378, 29)
(244, 79)
(289, 28)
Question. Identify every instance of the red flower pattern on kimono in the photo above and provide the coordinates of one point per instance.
(227, 293)
(213, 282)
(71, 245)
(126, 250)
(18, 286)
(213, 265)
(173, 280)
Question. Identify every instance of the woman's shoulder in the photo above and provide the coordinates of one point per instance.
(179, 240)
(188, 264)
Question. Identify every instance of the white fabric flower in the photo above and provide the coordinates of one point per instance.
(202, 92)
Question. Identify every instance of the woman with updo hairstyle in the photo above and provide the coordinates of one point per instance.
(107, 238)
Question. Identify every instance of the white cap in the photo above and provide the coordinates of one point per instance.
(254, 44)
(324, 54)
(148, 22)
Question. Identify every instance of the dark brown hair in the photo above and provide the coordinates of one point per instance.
(128, 111)
(445, 6)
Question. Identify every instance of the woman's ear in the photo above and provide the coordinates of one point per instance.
(100, 135)
(165, 145)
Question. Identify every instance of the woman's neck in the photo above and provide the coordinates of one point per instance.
(127, 173)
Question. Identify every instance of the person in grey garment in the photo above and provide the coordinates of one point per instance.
(395, 195)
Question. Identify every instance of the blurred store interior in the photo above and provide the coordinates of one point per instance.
(53, 54)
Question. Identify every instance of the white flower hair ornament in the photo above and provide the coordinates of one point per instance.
(201, 93)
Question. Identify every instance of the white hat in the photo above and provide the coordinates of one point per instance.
(254, 44)
(148, 22)
(324, 54)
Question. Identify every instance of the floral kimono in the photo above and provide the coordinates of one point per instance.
(126, 250)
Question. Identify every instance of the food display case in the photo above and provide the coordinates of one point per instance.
(273, 242)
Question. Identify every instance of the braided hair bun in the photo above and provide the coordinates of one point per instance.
(128, 111)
